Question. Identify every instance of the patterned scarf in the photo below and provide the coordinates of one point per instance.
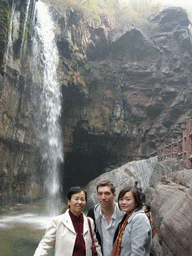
(117, 245)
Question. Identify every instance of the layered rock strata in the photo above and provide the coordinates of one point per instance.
(172, 214)
(124, 93)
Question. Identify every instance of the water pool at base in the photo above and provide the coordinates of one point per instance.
(21, 229)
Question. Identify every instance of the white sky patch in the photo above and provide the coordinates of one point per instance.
(187, 4)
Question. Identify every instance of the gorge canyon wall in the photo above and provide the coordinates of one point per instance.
(124, 93)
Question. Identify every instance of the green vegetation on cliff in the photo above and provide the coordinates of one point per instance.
(113, 12)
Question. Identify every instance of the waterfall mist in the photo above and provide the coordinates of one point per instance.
(45, 73)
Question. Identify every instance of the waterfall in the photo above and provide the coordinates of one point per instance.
(9, 53)
(24, 27)
(13, 22)
(45, 64)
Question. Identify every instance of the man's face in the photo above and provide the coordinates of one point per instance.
(105, 197)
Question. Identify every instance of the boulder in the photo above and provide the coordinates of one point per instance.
(133, 42)
(171, 17)
(172, 213)
(147, 172)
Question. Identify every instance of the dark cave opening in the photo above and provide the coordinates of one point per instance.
(91, 156)
(88, 153)
(82, 167)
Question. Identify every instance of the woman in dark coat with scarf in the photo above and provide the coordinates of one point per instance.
(135, 235)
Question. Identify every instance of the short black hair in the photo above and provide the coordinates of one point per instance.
(148, 207)
(75, 190)
(136, 196)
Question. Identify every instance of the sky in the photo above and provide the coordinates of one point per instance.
(183, 3)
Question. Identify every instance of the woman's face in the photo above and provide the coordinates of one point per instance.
(77, 203)
(127, 202)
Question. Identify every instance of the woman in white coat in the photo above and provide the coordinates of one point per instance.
(70, 232)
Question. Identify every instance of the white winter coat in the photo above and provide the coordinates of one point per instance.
(61, 232)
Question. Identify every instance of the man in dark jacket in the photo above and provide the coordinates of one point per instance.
(142, 195)
(107, 216)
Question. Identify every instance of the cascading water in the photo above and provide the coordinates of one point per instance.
(9, 53)
(24, 27)
(15, 225)
(45, 72)
(44, 75)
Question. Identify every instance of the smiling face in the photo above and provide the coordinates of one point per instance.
(127, 202)
(77, 203)
(105, 197)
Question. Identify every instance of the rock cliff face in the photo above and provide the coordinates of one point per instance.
(124, 92)
(129, 91)
(172, 211)
(20, 126)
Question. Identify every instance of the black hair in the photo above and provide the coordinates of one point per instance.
(136, 196)
(75, 190)
(148, 207)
